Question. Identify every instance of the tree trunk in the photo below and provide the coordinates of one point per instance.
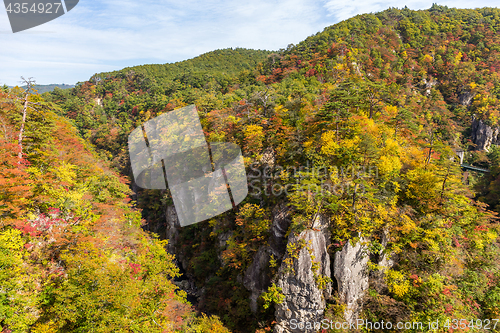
(21, 131)
(29, 85)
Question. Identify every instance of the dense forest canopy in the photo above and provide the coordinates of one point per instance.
(380, 102)
(73, 256)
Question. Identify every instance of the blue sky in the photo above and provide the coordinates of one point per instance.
(105, 35)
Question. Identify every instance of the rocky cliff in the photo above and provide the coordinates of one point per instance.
(351, 273)
(308, 273)
(483, 136)
(257, 277)
(305, 298)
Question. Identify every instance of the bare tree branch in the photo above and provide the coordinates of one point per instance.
(26, 103)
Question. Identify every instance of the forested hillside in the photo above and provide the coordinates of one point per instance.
(73, 256)
(358, 204)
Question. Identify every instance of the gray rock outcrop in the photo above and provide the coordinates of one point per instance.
(257, 277)
(222, 245)
(172, 228)
(429, 84)
(304, 300)
(465, 98)
(385, 260)
(351, 273)
(281, 222)
(483, 136)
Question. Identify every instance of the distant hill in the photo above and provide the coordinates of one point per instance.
(227, 61)
(219, 63)
(42, 88)
(50, 87)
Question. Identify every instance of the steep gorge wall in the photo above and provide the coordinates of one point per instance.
(304, 299)
(483, 136)
(351, 272)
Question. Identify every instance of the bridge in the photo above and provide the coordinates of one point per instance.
(473, 168)
(460, 154)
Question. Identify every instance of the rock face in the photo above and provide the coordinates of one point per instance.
(304, 301)
(257, 278)
(281, 223)
(172, 228)
(268, 157)
(351, 273)
(483, 136)
(429, 84)
(223, 238)
(98, 101)
(466, 97)
(385, 260)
